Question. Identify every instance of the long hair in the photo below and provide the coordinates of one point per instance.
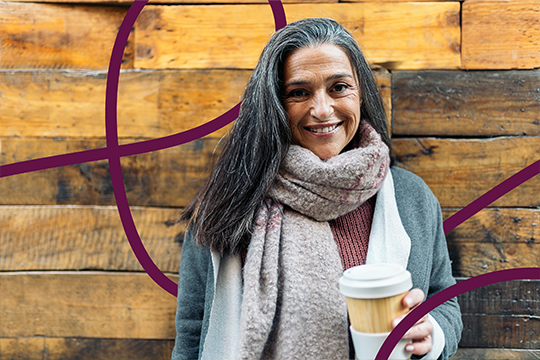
(222, 213)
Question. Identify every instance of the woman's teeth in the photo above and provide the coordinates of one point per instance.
(324, 130)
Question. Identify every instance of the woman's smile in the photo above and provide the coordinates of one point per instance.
(323, 129)
(322, 99)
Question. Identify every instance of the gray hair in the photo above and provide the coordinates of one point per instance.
(222, 214)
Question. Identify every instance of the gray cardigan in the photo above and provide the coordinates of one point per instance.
(428, 263)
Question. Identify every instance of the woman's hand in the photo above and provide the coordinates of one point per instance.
(420, 333)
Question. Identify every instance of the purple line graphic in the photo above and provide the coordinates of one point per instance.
(483, 201)
(113, 152)
(447, 294)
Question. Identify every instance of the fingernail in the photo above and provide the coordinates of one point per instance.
(408, 302)
(410, 348)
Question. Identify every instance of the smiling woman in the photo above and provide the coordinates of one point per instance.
(303, 190)
(322, 99)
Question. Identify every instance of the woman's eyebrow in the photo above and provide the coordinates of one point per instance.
(330, 78)
(339, 76)
(297, 82)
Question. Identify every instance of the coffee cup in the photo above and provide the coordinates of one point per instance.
(368, 346)
(374, 294)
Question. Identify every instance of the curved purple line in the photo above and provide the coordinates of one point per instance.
(120, 195)
(280, 20)
(498, 191)
(448, 293)
(183, 137)
(123, 150)
(52, 162)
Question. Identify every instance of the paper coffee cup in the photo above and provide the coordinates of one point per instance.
(372, 343)
(374, 295)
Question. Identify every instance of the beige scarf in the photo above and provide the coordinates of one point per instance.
(291, 306)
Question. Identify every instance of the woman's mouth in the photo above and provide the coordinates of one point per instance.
(322, 130)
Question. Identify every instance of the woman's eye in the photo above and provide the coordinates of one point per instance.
(340, 87)
(297, 93)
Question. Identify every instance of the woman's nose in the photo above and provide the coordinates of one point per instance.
(322, 106)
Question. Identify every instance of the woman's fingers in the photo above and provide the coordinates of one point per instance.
(420, 333)
(413, 298)
(420, 330)
(420, 347)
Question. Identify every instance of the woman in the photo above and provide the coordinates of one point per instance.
(301, 191)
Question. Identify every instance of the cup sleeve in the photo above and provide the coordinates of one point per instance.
(437, 338)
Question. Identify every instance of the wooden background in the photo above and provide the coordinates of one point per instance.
(461, 85)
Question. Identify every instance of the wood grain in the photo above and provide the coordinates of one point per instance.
(494, 239)
(383, 78)
(52, 238)
(58, 36)
(361, 1)
(86, 238)
(151, 104)
(397, 36)
(495, 354)
(167, 177)
(459, 171)
(520, 298)
(505, 314)
(35, 348)
(492, 331)
(85, 304)
(466, 103)
(174, 2)
(501, 34)
(142, 349)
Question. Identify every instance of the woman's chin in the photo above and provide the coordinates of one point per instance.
(326, 153)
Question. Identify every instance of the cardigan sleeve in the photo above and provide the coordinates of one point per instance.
(448, 314)
(193, 297)
(429, 261)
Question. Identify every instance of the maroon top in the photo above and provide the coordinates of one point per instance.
(351, 234)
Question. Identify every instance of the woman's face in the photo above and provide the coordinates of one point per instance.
(322, 99)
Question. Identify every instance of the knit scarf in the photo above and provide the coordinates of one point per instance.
(291, 306)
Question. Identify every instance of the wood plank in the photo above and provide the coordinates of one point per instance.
(512, 299)
(174, 2)
(51, 238)
(383, 78)
(58, 36)
(85, 304)
(466, 103)
(493, 331)
(501, 34)
(460, 171)
(151, 104)
(397, 36)
(394, 1)
(35, 348)
(495, 354)
(505, 314)
(494, 239)
(135, 349)
(148, 178)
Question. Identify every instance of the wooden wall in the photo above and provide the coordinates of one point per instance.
(461, 85)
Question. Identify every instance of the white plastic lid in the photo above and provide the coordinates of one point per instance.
(375, 281)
